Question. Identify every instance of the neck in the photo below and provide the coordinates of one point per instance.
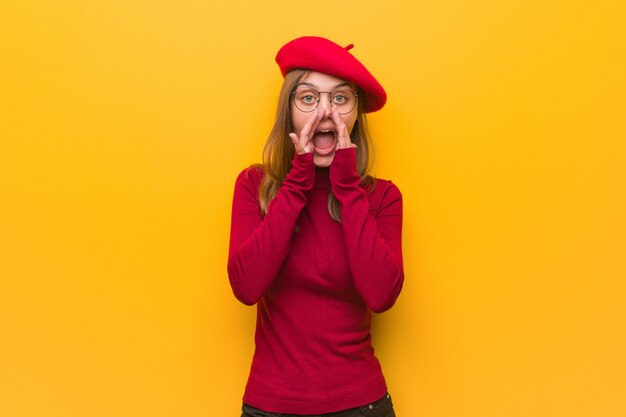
(322, 180)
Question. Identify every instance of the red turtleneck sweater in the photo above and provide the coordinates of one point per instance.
(315, 287)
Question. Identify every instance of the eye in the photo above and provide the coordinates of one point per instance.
(306, 96)
(343, 98)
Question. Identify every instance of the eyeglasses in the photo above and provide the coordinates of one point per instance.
(306, 99)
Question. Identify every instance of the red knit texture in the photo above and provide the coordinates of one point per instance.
(315, 288)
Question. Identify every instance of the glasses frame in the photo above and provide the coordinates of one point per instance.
(319, 95)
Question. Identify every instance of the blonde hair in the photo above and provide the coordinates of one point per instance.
(279, 150)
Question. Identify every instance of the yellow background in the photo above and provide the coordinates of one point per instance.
(123, 125)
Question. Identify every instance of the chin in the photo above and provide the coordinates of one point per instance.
(323, 161)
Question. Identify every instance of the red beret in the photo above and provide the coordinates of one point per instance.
(319, 54)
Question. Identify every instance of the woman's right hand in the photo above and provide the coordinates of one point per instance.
(303, 143)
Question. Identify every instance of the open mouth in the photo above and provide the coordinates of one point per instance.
(324, 142)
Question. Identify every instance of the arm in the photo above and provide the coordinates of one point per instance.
(258, 246)
(373, 241)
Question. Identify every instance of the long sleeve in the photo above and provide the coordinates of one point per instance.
(259, 245)
(373, 240)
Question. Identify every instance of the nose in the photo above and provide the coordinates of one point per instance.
(325, 103)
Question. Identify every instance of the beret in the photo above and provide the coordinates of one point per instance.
(320, 54)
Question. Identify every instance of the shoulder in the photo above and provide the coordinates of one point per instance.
(253, 173)
(250, 178)
(382, 193)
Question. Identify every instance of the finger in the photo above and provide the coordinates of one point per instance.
(296, 143)
(310, 127)
(323, 113)
(339, 128)
(343, 137)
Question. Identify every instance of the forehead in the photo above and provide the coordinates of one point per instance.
(324, 81)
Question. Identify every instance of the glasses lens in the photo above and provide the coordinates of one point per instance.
(306, 99)
(344, 101)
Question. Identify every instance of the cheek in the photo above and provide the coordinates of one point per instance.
(299, 119)
(349, 122)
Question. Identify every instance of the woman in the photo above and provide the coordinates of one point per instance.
(316, 243)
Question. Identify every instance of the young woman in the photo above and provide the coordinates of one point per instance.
(316, 243)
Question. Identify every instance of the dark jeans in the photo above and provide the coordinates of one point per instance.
(379, 408)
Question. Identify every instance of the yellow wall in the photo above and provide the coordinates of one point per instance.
(124, 123)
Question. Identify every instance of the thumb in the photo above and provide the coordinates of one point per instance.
(296, 143)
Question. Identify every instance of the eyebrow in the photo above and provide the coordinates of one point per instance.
(316, 87)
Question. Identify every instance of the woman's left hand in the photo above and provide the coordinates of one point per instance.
(343, 136)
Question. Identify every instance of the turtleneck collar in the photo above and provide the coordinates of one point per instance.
(322, 178)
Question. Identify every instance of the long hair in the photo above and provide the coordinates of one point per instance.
(278, 150)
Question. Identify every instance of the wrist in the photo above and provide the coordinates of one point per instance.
(302, 172)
